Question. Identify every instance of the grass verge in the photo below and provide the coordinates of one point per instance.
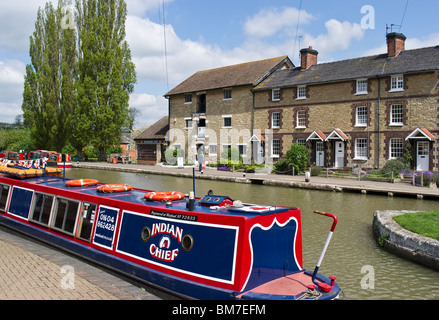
(423, 223)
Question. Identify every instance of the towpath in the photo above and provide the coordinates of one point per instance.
(350, 184)
(32, 271)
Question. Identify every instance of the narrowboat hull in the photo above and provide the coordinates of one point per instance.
(199, 251)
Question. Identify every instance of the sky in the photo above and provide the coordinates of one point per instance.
(172, 39)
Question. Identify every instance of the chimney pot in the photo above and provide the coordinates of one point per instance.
(308, 57)
(395, 43)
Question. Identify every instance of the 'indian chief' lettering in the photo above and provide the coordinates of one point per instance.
(167, 228)
(162, 251)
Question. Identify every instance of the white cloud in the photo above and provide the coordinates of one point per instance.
(11, 89)
(410, 43)
(151, 107)
(17, 20)
(183, 57)
(268, 22)
(339, 36)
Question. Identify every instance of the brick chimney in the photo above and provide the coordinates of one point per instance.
(395, 43)
(308, 57)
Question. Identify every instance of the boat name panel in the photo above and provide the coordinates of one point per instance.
(193, 248)
(106, 226)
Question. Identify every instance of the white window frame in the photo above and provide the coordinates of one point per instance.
(273, 126)
(360, 149)
(301, 119)
(244, 149)
(188, 121)
(273, 148)
(396, 148)
(228, 116)
(213, 152)
(362, 86)
(227, 94)
(301, 93)
(396, 83)
(275, 95)
(396, 119)
(301, 142)
(361, 113)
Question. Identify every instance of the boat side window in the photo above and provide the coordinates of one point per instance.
(41, 208)
(64, 218)
(4, 192)
(87, 218)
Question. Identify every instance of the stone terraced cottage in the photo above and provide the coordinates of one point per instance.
(358, 112)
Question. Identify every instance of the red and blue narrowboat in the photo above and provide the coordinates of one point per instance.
(196, 248)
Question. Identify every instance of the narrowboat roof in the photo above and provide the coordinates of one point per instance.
(136, 196)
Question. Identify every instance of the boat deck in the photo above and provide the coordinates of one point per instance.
(294, 285)
(136, 196)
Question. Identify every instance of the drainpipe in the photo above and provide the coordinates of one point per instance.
(253, 115)
(379, 128)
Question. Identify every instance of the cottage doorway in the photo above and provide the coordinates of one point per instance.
(339, 154)
(422, 156)
(320, 154)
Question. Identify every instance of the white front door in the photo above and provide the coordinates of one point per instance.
(320, 154)
(258, 152)
(339, 154)
(423, 156)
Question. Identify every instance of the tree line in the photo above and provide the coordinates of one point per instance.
(78, 82)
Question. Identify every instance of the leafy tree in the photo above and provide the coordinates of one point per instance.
(297, 157)
(106, 74)
(48, 96)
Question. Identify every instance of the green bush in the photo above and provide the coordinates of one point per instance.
(231, 158)
(282, 167)
(254, 167)
(395, 166)
(297, 157)
(316, 171)
(171, 155)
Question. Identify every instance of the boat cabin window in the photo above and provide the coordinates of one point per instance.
(4, 192)
(87, 218)
(41, 208)
(64, 218)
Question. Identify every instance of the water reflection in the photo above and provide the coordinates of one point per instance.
(352, 246)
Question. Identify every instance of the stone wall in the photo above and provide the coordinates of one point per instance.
(392, 237)
(238, 108)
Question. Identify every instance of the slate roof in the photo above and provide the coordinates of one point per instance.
(408, 61)
(157, 131)
(249, 73)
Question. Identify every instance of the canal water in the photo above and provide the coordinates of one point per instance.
(363, 269)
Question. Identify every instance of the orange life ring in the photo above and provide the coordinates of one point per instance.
(114, 188)
(82, 182)
(164, 195)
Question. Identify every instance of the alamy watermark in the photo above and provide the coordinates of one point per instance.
(368, 20)
(368, 280)
(68, 18)
(68, 280)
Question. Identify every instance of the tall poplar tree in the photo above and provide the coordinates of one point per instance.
(106, 74)
(48, 96)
